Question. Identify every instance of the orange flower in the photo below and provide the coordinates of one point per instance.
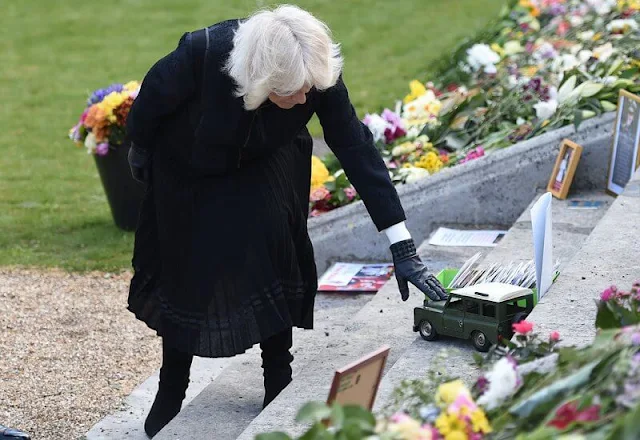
(95, 117)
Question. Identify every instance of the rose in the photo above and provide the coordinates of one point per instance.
(554, 336)
(523, 327)
(609, 293)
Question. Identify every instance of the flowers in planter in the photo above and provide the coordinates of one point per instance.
(102, 124)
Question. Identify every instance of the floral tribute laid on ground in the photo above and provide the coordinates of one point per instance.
(543, 65)
(531, 389)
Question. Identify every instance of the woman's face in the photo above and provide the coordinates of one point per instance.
(288, 102)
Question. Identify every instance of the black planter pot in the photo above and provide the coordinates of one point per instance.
(123, 192)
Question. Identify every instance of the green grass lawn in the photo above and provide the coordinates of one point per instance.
(53, 211)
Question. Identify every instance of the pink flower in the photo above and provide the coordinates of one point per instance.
(84, 115)
(350, 193)
(482, 384)
(523, 327)
(102, 149)
(392, 118)
(569, 413)
(609, 293)
(318, 194)
(462, 401)
(554, 336)
(399, 418)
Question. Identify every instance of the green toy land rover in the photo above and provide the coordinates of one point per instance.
(483, 313)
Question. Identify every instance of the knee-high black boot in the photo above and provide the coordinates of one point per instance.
(276, 363)
(174, 380)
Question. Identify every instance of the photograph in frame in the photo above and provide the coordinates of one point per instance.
(624, 158)
(357, 383)
(564, 169)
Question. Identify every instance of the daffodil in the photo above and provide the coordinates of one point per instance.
(319, 173)
(417, 90)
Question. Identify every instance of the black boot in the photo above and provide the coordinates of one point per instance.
(276, 362)
(174, 380)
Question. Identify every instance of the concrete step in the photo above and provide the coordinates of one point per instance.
(332, 312)
(571, 229)
(609, 256)
(384, 320)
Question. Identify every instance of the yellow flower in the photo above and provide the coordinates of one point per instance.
(497, 49)
(529, 71)
(319, 173)
(432, 163)
(410, 429)
(450, 422)
(131, 85)
(417, 90)
(448, 392)
(456, 435)
(480, 422)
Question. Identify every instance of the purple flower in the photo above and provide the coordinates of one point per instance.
(482, 384)
(100, 94)
(350, 193)
(635, 339)
(102, 149)
(558, 9)
(391, 117)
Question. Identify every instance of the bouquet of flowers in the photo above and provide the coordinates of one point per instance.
(530, 389)
(102, 124)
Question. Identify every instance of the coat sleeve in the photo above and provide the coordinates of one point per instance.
(352, 143)
(167, 85)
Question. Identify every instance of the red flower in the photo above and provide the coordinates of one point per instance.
(523, 327)
(554, 336)
(568, 414)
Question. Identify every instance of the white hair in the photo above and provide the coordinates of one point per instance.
(282, 51)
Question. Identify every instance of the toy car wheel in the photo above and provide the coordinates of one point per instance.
(427, 331)
(480, 341)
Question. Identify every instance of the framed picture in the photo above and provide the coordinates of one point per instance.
(624, 157)
(357, 383)
(564, 169)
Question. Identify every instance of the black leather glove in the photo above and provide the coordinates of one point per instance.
(12, 434)
(140, 163)
(410, 269)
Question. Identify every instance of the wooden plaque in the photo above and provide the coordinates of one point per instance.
(624, 159)
(564, 169)
(357, 383)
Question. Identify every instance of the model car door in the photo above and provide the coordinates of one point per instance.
(453, 317)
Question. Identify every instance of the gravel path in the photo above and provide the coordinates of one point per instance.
(70, 352)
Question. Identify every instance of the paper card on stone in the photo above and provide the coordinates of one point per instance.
(542, 243)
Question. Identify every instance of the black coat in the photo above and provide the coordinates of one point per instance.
(223, 258)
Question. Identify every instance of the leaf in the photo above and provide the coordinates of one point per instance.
(478, 359)
(608, 106)
(605, 318)
(364, 417)
(315, 433)
(590, 89)
(274, 436)
(632, 424)
(337, 416)
(313, 412)
(577, 119)
(566, 89)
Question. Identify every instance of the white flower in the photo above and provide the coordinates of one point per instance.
(480, 56)
(377, 125)
(90, 142)
(604, 52)
(602, 7)
(503, 380)
(576, 21)
(565, 62)
(513, 47)
(584, 55)
(586, 35)
(622, 25)
(414, 174)
(546, 109)
(413, 132)
(490, 69)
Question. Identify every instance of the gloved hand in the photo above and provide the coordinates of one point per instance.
(12, 434)
(140, 163)
(410, 269)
